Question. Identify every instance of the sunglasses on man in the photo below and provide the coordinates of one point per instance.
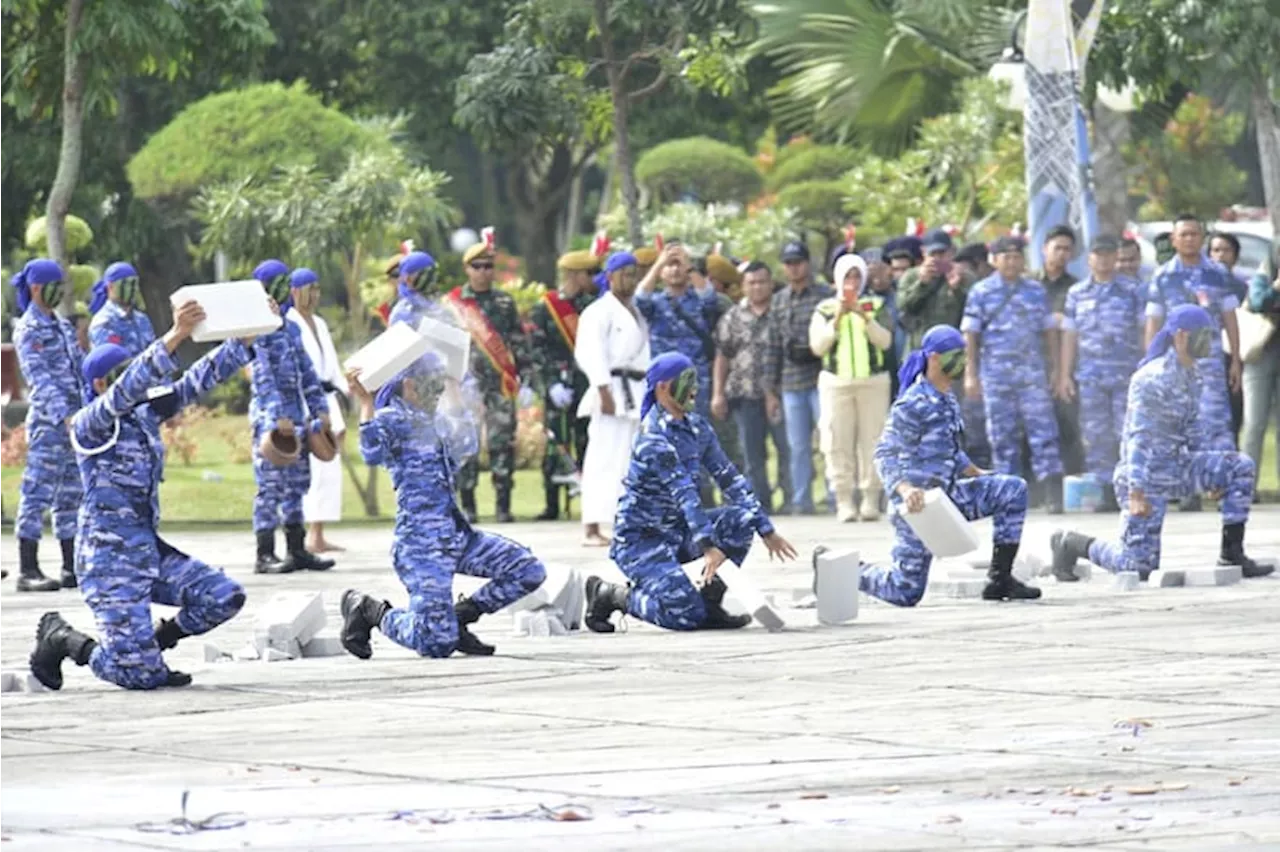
(481, 265)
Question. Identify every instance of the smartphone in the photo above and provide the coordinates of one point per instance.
(867, 306)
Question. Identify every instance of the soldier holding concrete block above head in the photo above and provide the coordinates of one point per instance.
(922, 447)
(1161, 459)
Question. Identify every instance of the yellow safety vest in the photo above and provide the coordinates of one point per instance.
(852, 356)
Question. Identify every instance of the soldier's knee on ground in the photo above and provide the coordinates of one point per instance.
(437, 646)
(530, 574)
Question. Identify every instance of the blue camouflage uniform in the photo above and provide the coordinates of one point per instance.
(1106, 319)
(433, 539)
(661, 524)
(682, 325)
(1015, 385)
(1212, 288)
(49, 356)
(122, 564)
(923, 444)
(284, 385)
(1164, 454)
(129, 328)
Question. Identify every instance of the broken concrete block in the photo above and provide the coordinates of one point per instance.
(10, 682)
(1219, 575)
(1172, 579)
(749, 596)
(33, 684)
(324, 646)
(955, 587)
(274, 656)
(1127, 581)
(290, 648)
(564, 589)
(214, 654)
(294, 616)
(249, 652)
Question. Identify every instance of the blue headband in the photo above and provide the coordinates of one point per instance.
(302, 277)
(101, 361)
(1181, 318)
(619, 260)
(117, 271)
(414, 262)
(269, 269)
(664, 368)
(602, 282)
(939, 339)
(38, 271)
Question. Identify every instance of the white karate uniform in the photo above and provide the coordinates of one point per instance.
(323, 502)
(609, 338)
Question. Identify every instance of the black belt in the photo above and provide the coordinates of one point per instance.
(633, 376)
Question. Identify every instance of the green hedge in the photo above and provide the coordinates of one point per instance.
(706, 167)
(815, 162)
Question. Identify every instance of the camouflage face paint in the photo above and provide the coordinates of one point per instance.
(685, 389)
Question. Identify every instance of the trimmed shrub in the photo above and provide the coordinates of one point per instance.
(707, 168)
(812, 163)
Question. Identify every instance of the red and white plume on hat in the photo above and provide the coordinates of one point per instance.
(951, 230)
(657, 241)
(1129, 235)
(489, 237)
(850, 237)
(915, 227)
(600, 245)
(718, 249)
(406, 246)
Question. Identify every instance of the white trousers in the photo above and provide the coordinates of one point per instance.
(605, 466)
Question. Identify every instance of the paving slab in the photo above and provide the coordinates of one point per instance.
(1088, 719)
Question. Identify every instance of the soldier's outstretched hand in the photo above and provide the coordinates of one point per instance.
(188, 315)
(779, 547)
(715, 558)
(357, 389)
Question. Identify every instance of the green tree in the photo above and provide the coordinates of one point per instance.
(872, 70)
(811, 162)
(707, 168)
(75, 53)
(1227, 48)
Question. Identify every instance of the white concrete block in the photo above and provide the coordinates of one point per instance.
(955, 587)
(940, 526)
(214, 654)
(564, 589)
(274, 656)
(1218, 575)
(297, 616)
(231, 308)
(1172, 579)
(1127, 581)
(388, 354)
(249, 652)
(290, 648)
(749, 595)
(10, 682)
(836, 576)
(324, 646)
(33, 684)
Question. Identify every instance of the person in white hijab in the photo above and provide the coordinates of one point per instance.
(851, 334)
(322, 504)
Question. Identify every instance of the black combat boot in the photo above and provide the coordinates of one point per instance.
(168, 633)
(1053, 494)
(1003, 586)
(603, 599)
(295, 536)
(1068, 547)
(552, 511)
(717, 618)
(502, 506)
(468, 500)
(68, 563)
(30, 577)
(56, 641)
(360, 614)
(1232, 552)
(1109, 504)
(468, 613)
(268, 562)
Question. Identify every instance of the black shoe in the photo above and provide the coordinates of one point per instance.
(603, 599)
(1002, 585)
(468, 500)
(302, 559)
(56, 641)
(177, 678)
(502, 508)
(30, 577)
(1053, 494)
(468, 613)
(68, 563)
(552, 512)
(1068, 548)
(268, 562)
(168, 633)
(1109, 505)
(1232, 553)
(360, 614)
(1191, 504)
(717, 618)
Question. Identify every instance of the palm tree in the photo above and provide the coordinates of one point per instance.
(871, 70)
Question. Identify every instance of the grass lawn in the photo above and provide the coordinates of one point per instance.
(215, 488)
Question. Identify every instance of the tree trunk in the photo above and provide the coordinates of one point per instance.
(622, 145)
(64, 182)
(1268, 129)
(1111, 131)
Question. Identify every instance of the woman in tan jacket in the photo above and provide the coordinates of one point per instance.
(851, 333)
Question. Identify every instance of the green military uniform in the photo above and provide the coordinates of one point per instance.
(922, 303)
(554, 364)
(499, 406)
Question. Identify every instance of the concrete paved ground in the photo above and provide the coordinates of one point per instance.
(1095, 718)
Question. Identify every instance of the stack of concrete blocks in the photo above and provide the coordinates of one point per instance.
(287, 628)
(553, 609)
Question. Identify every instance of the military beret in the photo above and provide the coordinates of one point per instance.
(721, 269)
(646, 255)
(578, 261)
